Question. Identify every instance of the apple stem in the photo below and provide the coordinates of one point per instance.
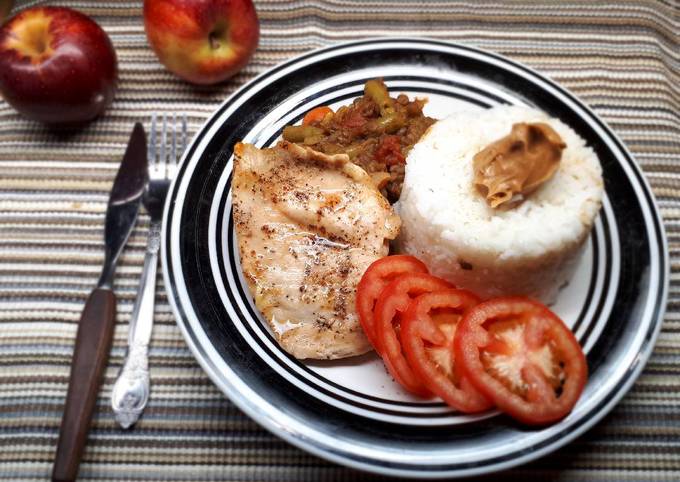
(214, 40)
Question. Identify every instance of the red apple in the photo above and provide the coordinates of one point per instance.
(5, 7)
(56, 65)
(202, 41)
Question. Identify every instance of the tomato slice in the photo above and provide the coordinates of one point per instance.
(377, 276)
(521, 356)
(394, 300)
(428, 328)
(316, 115)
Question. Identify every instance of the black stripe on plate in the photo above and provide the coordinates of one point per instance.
(591, 287)
(605, 282)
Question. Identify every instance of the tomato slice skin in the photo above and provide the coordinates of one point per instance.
(394, 300)
(418, 326)
(316, 115)
(378, 275)
(517, 331)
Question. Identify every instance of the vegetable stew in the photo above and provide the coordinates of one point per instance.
(376, 131)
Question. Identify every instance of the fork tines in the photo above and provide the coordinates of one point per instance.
(165, 163)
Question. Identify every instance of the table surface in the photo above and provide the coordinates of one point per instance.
(621, 57)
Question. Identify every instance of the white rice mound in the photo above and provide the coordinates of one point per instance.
(531, 249)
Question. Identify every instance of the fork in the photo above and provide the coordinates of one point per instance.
(131, 390)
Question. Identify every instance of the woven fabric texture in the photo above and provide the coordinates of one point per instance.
(622, 57)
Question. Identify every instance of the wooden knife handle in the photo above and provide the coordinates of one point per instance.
(93, 343)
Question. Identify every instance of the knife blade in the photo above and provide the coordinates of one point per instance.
(95, 329)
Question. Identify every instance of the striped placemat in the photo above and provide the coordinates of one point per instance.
(621, 57)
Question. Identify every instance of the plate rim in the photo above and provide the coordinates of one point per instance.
(298, 438)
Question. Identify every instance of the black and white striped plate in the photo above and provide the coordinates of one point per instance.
(351, 411)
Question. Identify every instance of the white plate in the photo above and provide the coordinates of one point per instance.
(352, 411)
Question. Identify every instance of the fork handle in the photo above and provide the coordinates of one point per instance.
(93, 343)
(131, 390)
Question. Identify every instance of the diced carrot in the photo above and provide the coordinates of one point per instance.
(316, 115)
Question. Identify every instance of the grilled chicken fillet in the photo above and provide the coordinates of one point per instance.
(308, 226)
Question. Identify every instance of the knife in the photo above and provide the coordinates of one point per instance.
(95, 329)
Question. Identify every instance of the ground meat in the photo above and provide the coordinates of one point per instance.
(376, 131)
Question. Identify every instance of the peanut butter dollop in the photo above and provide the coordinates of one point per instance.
(509, 169)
